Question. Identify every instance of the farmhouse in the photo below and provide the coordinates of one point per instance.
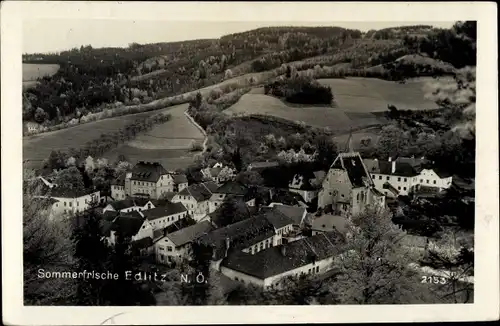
(195, 198)
(130, 204)
(147, 179)
(218, 174)
(230, 189)
(405, 175)
(68, 201)
(162, 216)
(348, 186)
(131, 225)
(251, 235)
(175, 246)
(307, 256)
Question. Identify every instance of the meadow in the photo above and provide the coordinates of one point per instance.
(37, 148)
(33, 71)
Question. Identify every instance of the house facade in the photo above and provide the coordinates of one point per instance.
(165, 215)
(68, 201)
(348, 187)
(196, 199)
(175, 247)
(266, 269)
(399, 177)
(148, 179)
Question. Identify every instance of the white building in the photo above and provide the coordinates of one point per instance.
(130, 204)
(307, 256)
(196, 199)
(68, 201)
(175, 247)
(400, 177)
(165, 215)
(148, 179)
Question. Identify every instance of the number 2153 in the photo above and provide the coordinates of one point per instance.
(434, 279)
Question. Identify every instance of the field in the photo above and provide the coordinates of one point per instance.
(355, 100)
(33, 71)
(167, 143)
(37, 148)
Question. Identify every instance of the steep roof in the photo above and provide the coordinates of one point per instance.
(241, 235)
(353, 165)
(293, 212)
(271, 262)
(128, 224)
(189, 233)
(146, 171)
(200, 191)
(167, 209)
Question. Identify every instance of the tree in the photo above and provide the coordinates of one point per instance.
(70, 178)
(326, 150)
(250, 178)
(40, 115)
(55, 161)
(46, 247)
(375, 266)
(231, 211)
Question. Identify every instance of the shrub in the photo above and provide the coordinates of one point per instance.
(302, 90)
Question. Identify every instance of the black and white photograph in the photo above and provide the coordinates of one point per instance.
(258, 162)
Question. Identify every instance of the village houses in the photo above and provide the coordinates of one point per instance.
(162, 216)
(230, 189)
(196, 198)
(148, 179)
(131, 225)
(401, 176)
(348, 186)
(265, 269)
(70, 201)
(175, 246)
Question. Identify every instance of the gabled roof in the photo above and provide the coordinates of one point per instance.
(146, 171)
(232, 188)
(293, 212)
(353, 165)
(190, 233)
(180, 224)
(241, 235)
(200, 191)
(167, 209)
(276, 218)
(263, 165)
(271, 262)
(127, 224)
(62, 192)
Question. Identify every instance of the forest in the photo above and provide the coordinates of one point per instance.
(89, 78)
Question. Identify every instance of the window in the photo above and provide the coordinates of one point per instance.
(64, 204)
(70, 204)
(427, 181)
(169, 249)
(65, 211)
(405, 179)
(421, 180)
(77, 203)
(134, 183)
(161, 248)
(434, 182)
(388, 178)
(380, 177)
(399, 179)
(260, 246)
(317, 269)
(404, 188)
(215, 203)
(399, 188)
(236, 279)
(309, 271)
(373, 175)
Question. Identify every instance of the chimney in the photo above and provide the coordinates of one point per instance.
(393, 169)
(283, 250)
